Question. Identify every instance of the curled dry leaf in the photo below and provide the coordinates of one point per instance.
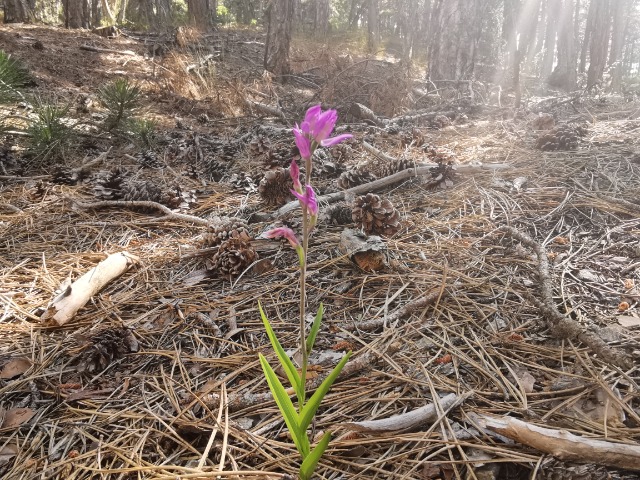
(15, 367)
(628, 283)
(7, 452)
(14, 417)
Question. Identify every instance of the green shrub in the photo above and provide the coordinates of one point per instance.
(121, 99)
(13, 76)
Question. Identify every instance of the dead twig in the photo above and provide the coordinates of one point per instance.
(561, 325)
(169, 214)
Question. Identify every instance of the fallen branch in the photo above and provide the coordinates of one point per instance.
(409, 420)
(561, 325)
(90, 48)
(423, 169)
(562, 444)
(65, 305)
(169, 214)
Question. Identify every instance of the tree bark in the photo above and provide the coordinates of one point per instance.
(17, 11)
(198, 11)
(76, 14)
(620, 15)
(279, 14)
(553, 14)
(373, 26)
(599, 43)
(321, 18)
(565, 75)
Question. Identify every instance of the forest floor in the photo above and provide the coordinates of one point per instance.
(512, 283)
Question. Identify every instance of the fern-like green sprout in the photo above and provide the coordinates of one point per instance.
(13, 76)
(121, 99)
(143, 132)
(314, 132)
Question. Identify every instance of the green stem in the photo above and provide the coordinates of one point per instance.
(303, 292)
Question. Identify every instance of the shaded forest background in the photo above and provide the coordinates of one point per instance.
(563, 44)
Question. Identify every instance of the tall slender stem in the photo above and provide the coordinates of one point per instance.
(303, 292)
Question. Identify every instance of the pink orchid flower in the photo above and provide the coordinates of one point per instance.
(294, 171)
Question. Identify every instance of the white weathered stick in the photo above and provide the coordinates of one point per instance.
(562, 444)
(65, 305)
(408, 420)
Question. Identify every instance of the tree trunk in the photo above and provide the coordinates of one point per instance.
(122, 14)
(76, 14)
(587, 36)
(620, 16)
(373, 26)
(198, 13)
(279, 14)
(553, 14)
(565, 75)
(17, 11)
(321, 18)
(599, 43)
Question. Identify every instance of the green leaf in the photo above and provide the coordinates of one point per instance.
(314, 328)
(310, 409)
(291, 417)
(285, 361)
(310, 463)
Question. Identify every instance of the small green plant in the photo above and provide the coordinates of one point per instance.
(13, 77)
(314, 132)
(143, 132)
(48, 134)
(121, 99)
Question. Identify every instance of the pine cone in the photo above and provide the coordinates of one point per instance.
(214, 169)
(342, 153)
(414, 138)
(338, 214)
(552, 469)
(234, 256)
(107, 184)
(8, 162)
(442, 175)
(180, 198)
(141, 190)
(192, 171)
(281, 154)
(243, 181)
(222, 229)
(148, 159)
(441, 121)
(106, 346)
(259, 145)
(398, 165)
(375, 215)
(353, 178)
(328, 169)
(560, 137)
(275, 187)
(230, 151)
(65, 176)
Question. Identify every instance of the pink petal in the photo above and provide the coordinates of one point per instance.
(329, 142)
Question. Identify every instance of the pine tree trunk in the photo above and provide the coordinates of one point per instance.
(553, 14)
(565, 75)
(76, 14)
(321, 18)
(620, 17)
(599, 43)
(373, 26)
(279, 14)
(198, 13)
(17, 11)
